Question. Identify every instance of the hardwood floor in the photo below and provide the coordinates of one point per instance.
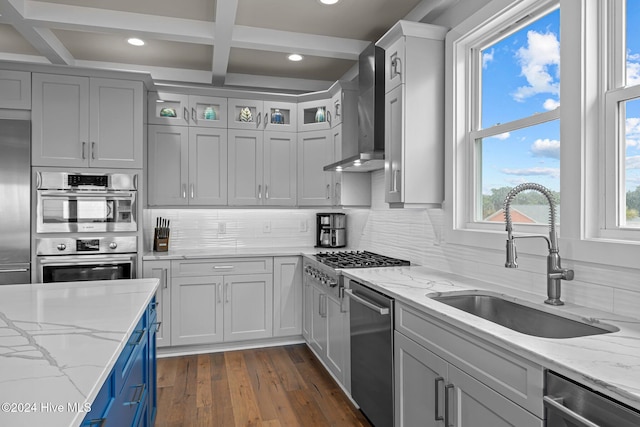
(276, 386)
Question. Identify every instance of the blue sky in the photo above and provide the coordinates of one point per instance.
(520, 77)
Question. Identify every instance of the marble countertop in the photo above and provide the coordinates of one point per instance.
(608, 363)
(233, 252)
(59, 342)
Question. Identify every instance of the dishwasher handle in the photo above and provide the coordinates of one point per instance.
(381, 310)
(566, 413)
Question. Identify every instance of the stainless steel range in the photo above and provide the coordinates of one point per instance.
(370, 326)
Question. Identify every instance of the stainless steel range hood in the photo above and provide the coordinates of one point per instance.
(370, 143)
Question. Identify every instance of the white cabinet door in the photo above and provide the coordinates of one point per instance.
(15, 89)
(245, 168)
(475, 404)
(280, 169)
(197, 308)
(207, 166)
(168, 165)
(420, 378)
(280, 116)
(338, 339)
(318, 330)
(245, 114)
(248, 307)
(287, 296)
(116, 124)
(393, 140)
(314, 115)
(307, 310)
(315, 151)
(161, 270)
(208, 111)
(60, 121)
(168, 109)
(394, 65)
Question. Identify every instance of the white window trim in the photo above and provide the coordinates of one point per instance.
(583, 234)
(460, 156)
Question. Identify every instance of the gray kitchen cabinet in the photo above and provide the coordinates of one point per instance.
(484, 385)
(86, 122)
(315, 115)
(326, 320)
(280, 116)
(187, 166)
(221, 300)
(245, 114)
(262, 168)
(287, 296)
(161, 270)
(186, 110)
(414, 114)
(307, 310)
(197, 310)
(15, 90)
(315, 151)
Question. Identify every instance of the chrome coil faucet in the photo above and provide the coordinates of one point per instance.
(555, 272)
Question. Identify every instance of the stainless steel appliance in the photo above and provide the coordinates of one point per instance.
(569, 404)
(331, 230)
(15, 206)
(371, 326)
(86, 202)
(69, 259)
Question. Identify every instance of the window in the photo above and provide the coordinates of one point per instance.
(622, 111)
(506, 78)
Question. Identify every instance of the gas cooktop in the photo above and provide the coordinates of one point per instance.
(358, 259)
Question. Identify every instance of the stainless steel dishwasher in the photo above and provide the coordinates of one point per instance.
(570, 404)
(371, 315)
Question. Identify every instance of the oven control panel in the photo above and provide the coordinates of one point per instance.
(92, 245)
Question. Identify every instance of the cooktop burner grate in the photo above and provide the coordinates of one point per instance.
(358, 259)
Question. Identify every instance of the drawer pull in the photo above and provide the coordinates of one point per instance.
(438, 417)
(223, 267)
(158, 324)
(567, 414)
(137, 397)
(141, 333)
(99, 422)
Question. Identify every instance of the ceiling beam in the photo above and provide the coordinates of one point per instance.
(225, 21)
(428, 7)
(42, 39)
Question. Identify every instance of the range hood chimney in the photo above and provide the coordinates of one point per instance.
(370, 143)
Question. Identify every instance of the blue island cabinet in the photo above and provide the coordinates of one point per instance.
(128, 396)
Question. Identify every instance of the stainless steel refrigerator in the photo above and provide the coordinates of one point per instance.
(15, 205)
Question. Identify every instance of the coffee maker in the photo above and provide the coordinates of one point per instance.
(331, 230)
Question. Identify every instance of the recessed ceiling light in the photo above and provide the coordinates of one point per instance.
(295, 57)
(135, 42)
(328, 1)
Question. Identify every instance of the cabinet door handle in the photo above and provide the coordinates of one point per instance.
(438, 417)
(84, 147)
(266, 191)
(259, 121)
(158, 325)
(259, 191)
(337, 105)
(266, 119)
(99, 422)
(328, 191)
(396, 178)
(226, 292)
(396, 66)
(137, 397)
(184, 191)
(192, 190)
(447, 388)
(194, 115)
(166, 282)
(93, 150)
(141, 334)
(329, 117)
(219, 293)
(186, 115)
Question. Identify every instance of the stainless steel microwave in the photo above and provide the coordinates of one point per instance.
(86, 202)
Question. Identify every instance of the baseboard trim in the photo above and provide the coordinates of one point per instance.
(188, 350)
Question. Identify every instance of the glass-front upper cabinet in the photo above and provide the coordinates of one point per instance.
(208, 111)
(315, 115)
(245, 114)
(168, 109)
(280, 116)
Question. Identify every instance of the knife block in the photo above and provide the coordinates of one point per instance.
(161, 244)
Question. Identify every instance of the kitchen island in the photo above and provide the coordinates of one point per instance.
(59, 343)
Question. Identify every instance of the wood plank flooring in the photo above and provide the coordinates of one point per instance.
(276, 386)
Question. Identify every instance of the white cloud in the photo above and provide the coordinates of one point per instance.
(546, 148)
(633, 69)
(632, 142)
(535, 171)
(551, 104)
(633, 162)
(486, 58)
(502, 136)
(542, 52)
(632, 127)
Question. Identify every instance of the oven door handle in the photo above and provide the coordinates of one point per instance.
(87, 193)
(79, 259)
(383, 311)
(568, 414)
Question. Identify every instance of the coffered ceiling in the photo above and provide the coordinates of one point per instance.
(230, 43)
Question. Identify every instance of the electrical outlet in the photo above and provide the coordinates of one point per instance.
(266, 227)
(222, 228)
(303, 226)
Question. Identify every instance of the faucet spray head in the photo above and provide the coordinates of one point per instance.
(512, 254)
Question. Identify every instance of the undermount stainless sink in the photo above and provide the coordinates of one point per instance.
(521, 318)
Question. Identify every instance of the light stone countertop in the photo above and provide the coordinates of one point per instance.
(59, 342)
(608, 363)
(234, 252)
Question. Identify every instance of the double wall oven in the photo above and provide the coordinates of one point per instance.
(86, 226)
